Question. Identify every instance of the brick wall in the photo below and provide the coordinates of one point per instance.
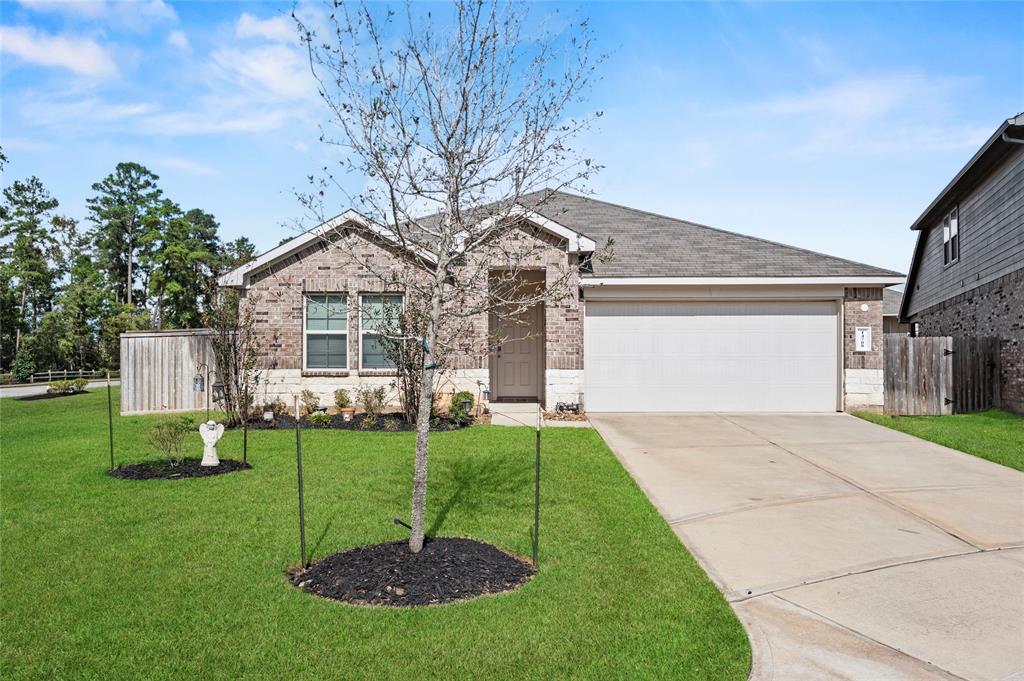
(862, 376)
(278, 293)
(993, 309)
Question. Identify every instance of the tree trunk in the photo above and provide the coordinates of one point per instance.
(419, 478)
(21, 319)
(130, 249)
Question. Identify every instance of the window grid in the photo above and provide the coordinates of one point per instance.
(372, 314)
(325, 331)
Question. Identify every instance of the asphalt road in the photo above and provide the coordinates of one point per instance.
(40, 388)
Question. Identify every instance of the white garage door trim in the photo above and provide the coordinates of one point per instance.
(712, 355)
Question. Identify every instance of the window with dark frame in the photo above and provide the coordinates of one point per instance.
(376, 312)
(326, 332)
(951, 237)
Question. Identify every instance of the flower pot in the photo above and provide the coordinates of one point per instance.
(347, 413)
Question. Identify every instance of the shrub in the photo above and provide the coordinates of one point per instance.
(371, 399)
(456, 410)
(67, 387)
(342, 399)
(168, 435)
(319, 418)
(369, 422)
(22, 367)
(278, 407)
(390, 425)
(310, 401)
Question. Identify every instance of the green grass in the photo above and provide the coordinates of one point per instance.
(994, 435)
(114, 579)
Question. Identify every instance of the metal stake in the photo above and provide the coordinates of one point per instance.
(536, 493)
(110, 421)
(298, 460)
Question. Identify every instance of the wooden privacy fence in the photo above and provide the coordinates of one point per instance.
(932, 376)
(157, 369)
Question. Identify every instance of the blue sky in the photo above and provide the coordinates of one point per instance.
(827, 126)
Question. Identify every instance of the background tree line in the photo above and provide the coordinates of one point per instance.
(139, 261)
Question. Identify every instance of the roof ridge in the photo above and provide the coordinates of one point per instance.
(720, 230)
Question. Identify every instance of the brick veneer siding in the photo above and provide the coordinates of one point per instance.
(992, 309)
(278, 291)
(862, 374)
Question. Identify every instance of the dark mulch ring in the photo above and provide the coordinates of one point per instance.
(49, 396)
(384, 423)
(446, 569)
(163, 470)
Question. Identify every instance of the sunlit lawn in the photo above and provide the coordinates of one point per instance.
(994, 435)
(114, 579)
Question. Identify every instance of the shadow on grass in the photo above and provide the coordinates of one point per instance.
(480, 482)
(49, 396)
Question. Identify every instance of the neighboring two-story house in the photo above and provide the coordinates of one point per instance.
(967, 275)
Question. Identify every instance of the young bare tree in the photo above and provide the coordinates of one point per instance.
(453, 122)
(236, 349)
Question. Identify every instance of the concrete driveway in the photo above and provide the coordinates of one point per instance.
(848, 550)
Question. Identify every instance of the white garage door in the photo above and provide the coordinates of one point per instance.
(710, 356)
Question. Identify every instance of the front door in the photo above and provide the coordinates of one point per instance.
(517, 357)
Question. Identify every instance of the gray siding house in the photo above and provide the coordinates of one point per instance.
(967, 275)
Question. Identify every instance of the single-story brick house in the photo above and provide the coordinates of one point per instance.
(967, 273)
(680, 317)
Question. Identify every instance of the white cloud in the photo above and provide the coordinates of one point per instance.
(870, 115)
(179, 40)
(138, 15)
(278, 29)
(183, 165)
(275, 70)
(83, 56)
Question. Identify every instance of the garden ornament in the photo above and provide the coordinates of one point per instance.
(210, 432)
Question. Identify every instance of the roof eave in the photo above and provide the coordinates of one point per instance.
(995, 142)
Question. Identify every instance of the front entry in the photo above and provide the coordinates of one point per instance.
(517, 360)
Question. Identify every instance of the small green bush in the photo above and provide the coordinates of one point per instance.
(390, 425)
(342, 399)
(369, 422)
(22, 367)
(319, 418)
(371, 399)
(310, 401)
(456, 409)
(67, 387)
(167, 436)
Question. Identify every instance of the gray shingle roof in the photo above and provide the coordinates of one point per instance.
(891, 302)
(650, 245)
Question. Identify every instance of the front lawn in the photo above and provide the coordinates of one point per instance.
(994, 434)
(104, 578)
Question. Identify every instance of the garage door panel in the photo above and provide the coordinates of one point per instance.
(711, 356)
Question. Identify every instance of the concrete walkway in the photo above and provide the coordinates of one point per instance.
(848, 550)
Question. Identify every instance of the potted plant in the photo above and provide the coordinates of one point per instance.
(343, 401)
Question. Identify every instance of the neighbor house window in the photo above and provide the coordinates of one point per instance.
(326, 331)
(377, 313)
(951, 237)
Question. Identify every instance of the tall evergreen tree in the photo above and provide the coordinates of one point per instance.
(181, 252)
(236, 253)
(30, 254)
(123, 200)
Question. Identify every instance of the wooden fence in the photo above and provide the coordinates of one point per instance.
(932, 376)
(157, 368)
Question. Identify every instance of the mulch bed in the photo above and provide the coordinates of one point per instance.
(388, 423)
(162, 470)
(49, 396)
(447, 569)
